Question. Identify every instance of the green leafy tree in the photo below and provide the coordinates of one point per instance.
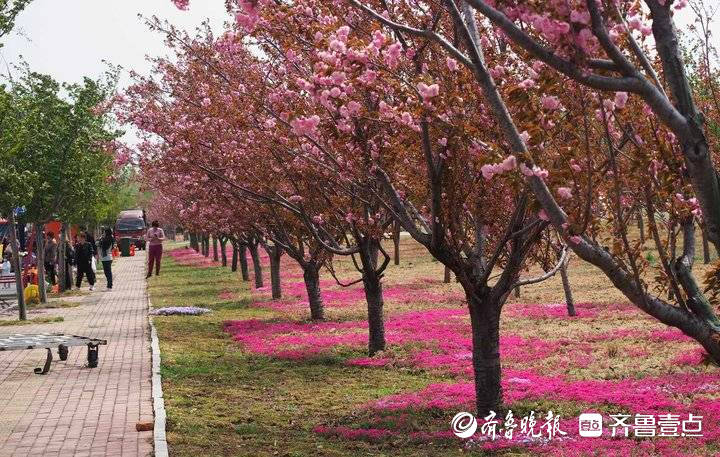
(9, 11)
(120, 193)
(69, 145)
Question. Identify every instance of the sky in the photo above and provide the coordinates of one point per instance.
(69, 39)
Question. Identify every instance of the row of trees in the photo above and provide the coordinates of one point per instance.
(59, 153)
(494, 133)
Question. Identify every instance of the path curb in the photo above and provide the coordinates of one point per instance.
(160, 440)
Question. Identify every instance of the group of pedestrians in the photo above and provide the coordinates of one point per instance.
(85, 253)
(86, 250)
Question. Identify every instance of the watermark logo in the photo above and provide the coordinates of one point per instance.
(464, 425)
(590, 425)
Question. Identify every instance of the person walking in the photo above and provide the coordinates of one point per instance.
(83, 261)
(155, 237)
(107, 242)
(89, 238)
(51, 249)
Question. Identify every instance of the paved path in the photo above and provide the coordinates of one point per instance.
(75, 410)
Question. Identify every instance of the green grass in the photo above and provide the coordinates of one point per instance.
(55, 304)
(222, 401)
(34, 320)
(71, 293)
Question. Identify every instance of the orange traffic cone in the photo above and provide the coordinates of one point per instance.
(132, 250)
(116, 252)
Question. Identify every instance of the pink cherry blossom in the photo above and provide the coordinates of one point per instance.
(621, 99)
(338, 46)
(305, 126)
(582, 17)
(550, 103)
(564, 192)
(527, 84)
(392, 55)
(525, 136)
(488, 170)
(509, 163)
(428, 92)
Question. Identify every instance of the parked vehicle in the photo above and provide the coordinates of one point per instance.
(131, 224)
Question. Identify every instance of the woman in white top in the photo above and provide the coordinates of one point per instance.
(107, 242)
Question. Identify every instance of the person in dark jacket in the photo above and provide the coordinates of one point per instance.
(69, 262)
(107, 242)
(89, 238)
(84, 253)
(51, 249)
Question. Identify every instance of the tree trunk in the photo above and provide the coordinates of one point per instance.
(257, 268)
(275, 253)
(705, 244)
(215, 248)
(234, 264)
(61, 261)
(376, 323)
(641, 227)
(223, 252)
(673, 242)
(16, 265)
(66, 270)
(242, 254)
(517, 292)
(447, 275)
(373, 295)
(194, 242)
(206, 248)
(485, 324)
(568, 291)
(40, 249)
(396, 243)
(311, 275)
(673, 253)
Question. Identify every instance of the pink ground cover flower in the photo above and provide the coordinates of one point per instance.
(646, 396)
(559, 310)
(335, 296)
(550, 310)
(670, 334)
(438, 340)
(189, 257)
(690, 357)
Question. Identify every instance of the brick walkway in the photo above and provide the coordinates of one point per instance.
(75, 410)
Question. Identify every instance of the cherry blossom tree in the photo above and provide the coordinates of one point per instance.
(601, 48)
(375, 118)
(596, 117)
